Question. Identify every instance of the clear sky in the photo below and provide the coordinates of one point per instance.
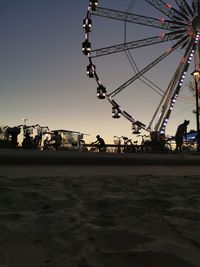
(43, 72)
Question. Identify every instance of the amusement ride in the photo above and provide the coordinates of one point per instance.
(180, 27)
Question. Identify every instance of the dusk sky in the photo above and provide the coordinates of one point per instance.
(43, 71)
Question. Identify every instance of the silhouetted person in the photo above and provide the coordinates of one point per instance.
(58, 140)
(180, 133)
(46, 143)
(155, 141)
(14, 135)
(100, 143)
(27, 142)
(36, 142)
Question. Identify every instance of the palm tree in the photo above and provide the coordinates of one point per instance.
(192, 87)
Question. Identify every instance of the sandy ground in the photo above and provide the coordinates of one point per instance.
(88, 170)
(122, 211)
(99, 216)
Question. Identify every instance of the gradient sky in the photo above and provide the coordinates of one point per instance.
(43, 72)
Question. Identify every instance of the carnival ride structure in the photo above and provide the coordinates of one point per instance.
(181, 26)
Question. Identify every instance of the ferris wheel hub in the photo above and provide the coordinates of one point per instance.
(196, 23)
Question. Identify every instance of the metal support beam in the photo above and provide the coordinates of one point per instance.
(132, 45)
(133, 18)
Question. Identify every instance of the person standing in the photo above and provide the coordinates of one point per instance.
(180, 133)
(15, 131)
(58, 140)
(27, 142)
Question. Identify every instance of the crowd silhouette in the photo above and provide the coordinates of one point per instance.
(41, 138)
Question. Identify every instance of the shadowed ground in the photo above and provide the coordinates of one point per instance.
(67, 209)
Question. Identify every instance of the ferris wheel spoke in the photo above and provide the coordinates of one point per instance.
(133, 18)
(135, 44)
(144, 70)
(184, 7)
(185, 42)
(167, 9)
(196, 7)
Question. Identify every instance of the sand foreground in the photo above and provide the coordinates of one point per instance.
(99, 215)
(100, 221)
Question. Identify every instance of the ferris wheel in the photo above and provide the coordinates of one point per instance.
(181, 30)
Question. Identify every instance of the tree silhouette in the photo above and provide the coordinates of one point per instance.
(192, 87)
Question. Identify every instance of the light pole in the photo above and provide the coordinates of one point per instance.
(196, 75)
